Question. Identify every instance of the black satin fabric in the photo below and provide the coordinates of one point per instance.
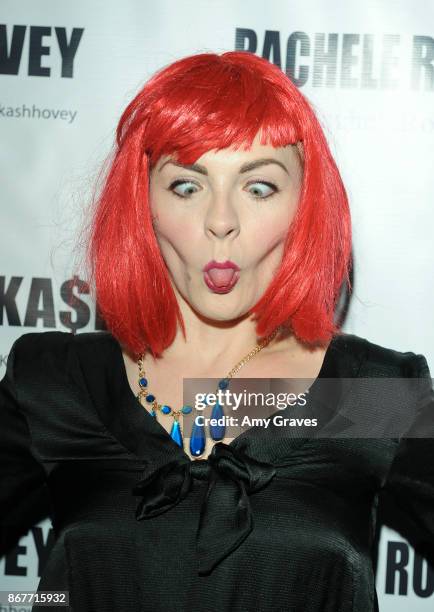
(269, 522)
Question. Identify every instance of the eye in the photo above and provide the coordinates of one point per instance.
(258, 191)
(187, 188)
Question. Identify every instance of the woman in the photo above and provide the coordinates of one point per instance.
(217, 249)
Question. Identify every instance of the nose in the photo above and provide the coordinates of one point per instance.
(222, 218)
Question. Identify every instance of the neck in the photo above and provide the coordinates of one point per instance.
(217, 345)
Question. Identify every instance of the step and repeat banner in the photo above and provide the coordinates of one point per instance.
(67, 70)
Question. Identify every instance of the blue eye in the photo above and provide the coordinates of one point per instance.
(189, 188)
(185, 193)
(262, 195)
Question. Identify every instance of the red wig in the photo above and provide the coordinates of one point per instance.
(203, 102)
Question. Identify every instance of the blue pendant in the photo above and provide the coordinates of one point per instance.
(175, 433)
(223, 384)
(217, 432)
(197, 440)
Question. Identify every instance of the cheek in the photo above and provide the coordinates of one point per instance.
(177, 231)
(167, 221)
(272, 230)
(177, 236)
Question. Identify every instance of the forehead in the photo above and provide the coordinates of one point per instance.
(242, 159)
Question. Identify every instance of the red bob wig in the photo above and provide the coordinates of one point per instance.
(196, 104)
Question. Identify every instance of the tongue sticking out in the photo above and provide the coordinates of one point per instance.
(221, 276)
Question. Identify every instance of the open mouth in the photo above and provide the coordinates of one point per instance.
(221, 280)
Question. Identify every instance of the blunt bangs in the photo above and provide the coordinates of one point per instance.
(213, 104)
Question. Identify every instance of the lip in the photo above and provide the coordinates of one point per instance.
(221, 266)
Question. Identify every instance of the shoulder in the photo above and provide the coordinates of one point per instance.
(64, 385)
(53, 354)
(378, 360)
(31, 350)
(391, 388)
(36, 344)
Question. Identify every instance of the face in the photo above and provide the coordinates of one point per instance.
(230, 207)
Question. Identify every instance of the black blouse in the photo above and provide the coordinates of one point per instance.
(269, 522)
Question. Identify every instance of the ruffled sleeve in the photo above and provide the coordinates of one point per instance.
(24, 496)
(407, 497)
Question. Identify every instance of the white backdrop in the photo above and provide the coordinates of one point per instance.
(367, 68)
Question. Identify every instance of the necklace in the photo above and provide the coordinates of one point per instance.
(197, 437)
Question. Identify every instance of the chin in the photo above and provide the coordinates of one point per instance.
(222, 313)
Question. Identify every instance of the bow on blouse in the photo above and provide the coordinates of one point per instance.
(225, 517)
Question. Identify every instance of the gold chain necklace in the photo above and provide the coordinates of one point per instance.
(197, 438)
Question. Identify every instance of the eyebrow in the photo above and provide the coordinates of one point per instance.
(265, 161)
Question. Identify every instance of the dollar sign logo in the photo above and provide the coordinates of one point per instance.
(68, 292)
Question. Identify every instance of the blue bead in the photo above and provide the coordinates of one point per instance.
(186, 409)
(175, 433)
(150, 398)
(143, 382)
(166, 409)
(217, 432)
(223, 383)
(197, 440)
(153, 413)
